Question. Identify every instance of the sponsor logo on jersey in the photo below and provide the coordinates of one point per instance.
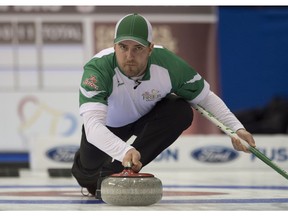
(214, 154)
(151, 96)
(91, 82)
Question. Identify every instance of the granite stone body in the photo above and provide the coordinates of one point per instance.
(134, 190)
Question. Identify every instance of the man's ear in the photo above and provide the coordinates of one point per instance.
(151, 48)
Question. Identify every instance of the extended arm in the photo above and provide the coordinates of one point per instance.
(213, 104)
(100, 136)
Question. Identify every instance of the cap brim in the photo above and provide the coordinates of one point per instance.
(136, 39)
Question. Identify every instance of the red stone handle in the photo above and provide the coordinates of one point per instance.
(128, 172)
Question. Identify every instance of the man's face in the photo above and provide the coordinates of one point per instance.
(132, 57)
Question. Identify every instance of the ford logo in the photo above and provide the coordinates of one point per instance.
(62, 153)
(214, 154)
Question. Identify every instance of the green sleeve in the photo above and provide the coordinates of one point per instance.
(96, 84)
(186, 82)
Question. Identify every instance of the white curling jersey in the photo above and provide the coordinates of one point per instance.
(128, 100)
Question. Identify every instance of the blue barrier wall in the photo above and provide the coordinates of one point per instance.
(253, 55)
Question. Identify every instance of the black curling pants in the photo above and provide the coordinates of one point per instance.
(154, 132)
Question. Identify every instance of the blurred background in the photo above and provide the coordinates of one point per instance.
(241, 51)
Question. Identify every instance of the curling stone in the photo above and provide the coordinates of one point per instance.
(131, 189)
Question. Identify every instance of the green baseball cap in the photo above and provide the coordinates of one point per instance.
(133, 27)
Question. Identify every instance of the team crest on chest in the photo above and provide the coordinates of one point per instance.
(151, 96)
(91, 82)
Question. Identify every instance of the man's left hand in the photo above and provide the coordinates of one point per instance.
(246, 136)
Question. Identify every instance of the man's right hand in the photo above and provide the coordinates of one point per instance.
(133, 156)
